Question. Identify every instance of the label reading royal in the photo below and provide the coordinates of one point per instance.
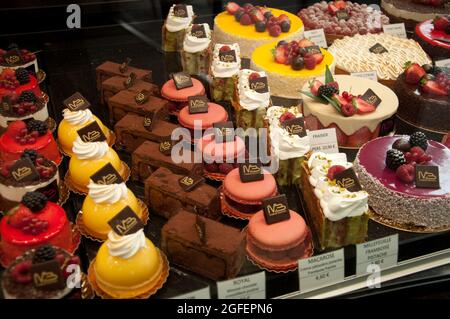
(126, 222)
(317, 36)
(12, 57)
(395, 29)
(276, 209)
(228, 56)
(142, 97)
(76, 102)
(250, 172)
(321, 271)
(198, 104)
(223, 132)
(47, 275)
(371, 97)
(130, 80)
(259, 84)
(313, 49)
(371, 75)
(427, 176)
(124, 66)
(200, 227)
(24, 170)
(107, 175)
(180, 11)
(165, 146)
(342, 15)
(382, 252)
(91, 133)
(324, 140)
(203, 293)
(348, 179)
(295, 126)
(378, 49)
(190, 182)
(182, 80)
(198, 31)
(245, 287)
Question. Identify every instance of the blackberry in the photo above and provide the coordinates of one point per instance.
(419, 139)
(327, 91)
(394, 158)
(35, 201)
(31, 154)
(36, 125)
(43, 254)
(22, 76)
(27, 96)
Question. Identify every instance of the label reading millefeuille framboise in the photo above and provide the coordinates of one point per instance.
(347, 179)
(227, 56)
(107, 175)
(198, 104)
(427, 176)
(259, 85)
(182, 80)
(91, 133)
(198, 31)
(295, 126)
(190, 182)
(47, 275)
(23, 170)
(317, 36)
(180, 11)
(165, 146)
(12, 57)
(76, 102)
(377, 48)
(376, 255)
(250, 172)
(371, 97)
(126, 222)
(342, 15)
(130, 80)
(276, 209)
(223, 132)
(395, 29)
(124, 66)
(142, 97)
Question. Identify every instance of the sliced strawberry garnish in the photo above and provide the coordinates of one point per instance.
(318, 57)
(303, 43)
(232, 7)
(314, 86)
(254, 75)
(362, 106)
(432, 87)
(224, 48)
(413, 73)
(333, 170)
(332, 9)
(257, 15)
(280, 54)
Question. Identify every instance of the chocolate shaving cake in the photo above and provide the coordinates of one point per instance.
(109, 69)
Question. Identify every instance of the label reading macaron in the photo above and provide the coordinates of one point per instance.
(76, 102)
(124, 66)
(250, 172)
(427, 176)
(198, 104)
(47, 275)
(223, 132)
(347, 179)
(182, 80)
(106, 175)
(276, 209)
(371, 97)
(295, 126)
(23, 170)
(91, 133)
(227, 56)
(126, 222)
(259, 84)
(142, 97)
(378, 49)
(129, 81)
(12, 57)
(198, 31)
(180, 11)
(190, 182)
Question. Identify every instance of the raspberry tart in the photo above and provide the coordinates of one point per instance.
(434, 37)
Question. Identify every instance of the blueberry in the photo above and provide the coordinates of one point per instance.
(260, 26)
(282, 42)
(267, 15)
(298, 63)
(285, 26)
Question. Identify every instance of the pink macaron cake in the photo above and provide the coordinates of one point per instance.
(219, 158)
(278, 247)
(178, 98)
(243, 199)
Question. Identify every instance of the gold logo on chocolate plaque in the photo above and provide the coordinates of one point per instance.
(21, 173)
(12, 59)
(45, 278)
(228, 56)
(47, 275)
(23, 170)
(259, 84)
(250, 172)
(182, 80)
(346, 182)
(427, 176)
(164, 146)
(106, 175)
(76, 102)
(198, 104)
(188, 181)
(91, 133)
(126, 222)
(180, 11)
(124, 66)
(147, 121)
(276, 209)
(347, 179)
(129, 81)
(252, 169)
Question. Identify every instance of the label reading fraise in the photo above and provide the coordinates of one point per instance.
(395, 29)
(317, 36)
(324, 140)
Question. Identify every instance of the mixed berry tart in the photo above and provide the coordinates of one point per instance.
(434, 37)
(13, 57)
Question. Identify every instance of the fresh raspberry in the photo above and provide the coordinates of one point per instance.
(286, 116)
(405, 173)
(21, 273)
(333, 170)
(425, 158)
(254, 75)
(417, 150)
(224, 48)
(274, 30)
(348, 109)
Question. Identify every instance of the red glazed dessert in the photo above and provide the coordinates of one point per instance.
(179, 97)
(278, 246)
(31, 135)
(18, 81)
(243, 200)
(386, 170)
(14, 57)
(33, 223)
(434, 37)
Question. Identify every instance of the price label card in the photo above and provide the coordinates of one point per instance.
(371, 75)
(382, 252)
(245, 287)
(443, 63)
(204, 293)
(324, 140)
(321, 271)
(317, 36)
(395, 29)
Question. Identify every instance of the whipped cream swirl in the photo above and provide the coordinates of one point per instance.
(248, 98)
(336, 202)
(91, 150)
(284, 145)
(107, 194)
(125, 246)
(175, 24)
(192, 44)
(222, 69)
(78, 117)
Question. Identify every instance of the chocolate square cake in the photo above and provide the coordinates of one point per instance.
(165, 197)
(147, 158)
(131, 132)
(124, 102)
(109, 69)
(204, 246)
(115, 84)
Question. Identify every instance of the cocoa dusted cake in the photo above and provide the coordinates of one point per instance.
(115, 84)
(150, 156)
(109, 69)
(165, 195)
(204, 246)
(132, 130)
(125, 102)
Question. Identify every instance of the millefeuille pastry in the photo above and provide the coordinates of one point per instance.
(225, 66)
(196, 53)
(180, 17)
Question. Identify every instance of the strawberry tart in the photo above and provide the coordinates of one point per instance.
(341, 102)
(434, 37)
(251, 26)
(387, 168)
(289, 65)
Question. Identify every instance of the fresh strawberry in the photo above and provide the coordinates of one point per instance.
(303, 43)
(21, 273)
(310, 62)
(318, 57)
(248, 7)
(286, 116)
(432, 87)
(224, 48)
(340, 4)
(413, 73)
(232, 7)
(362, 106)
(257, 15)
(339, 100)
(334, 84)
(332, 9)
(405, 173)
(280, 54)
(282, 17)
(275, 30)
(246, 19)
(254, 75)
(314, 87)
(441, 23)
(20, 217)
(348, 109)
(16, 128)
(333, 170)
(360, 137)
